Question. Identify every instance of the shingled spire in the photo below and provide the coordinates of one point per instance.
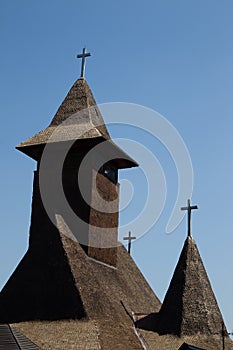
(190, 307)
(80, 102)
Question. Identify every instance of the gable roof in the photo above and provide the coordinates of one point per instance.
(190, 306)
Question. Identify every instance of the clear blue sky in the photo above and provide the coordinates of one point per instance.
(175, 57)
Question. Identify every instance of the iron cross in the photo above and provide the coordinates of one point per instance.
(189, 208)
(129, 239)
(83, 57)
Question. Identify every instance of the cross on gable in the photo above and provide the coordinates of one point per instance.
(129, 238)
(189, 208)
(83, 56)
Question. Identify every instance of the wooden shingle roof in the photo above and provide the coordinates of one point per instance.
(155, 341)
(78, 120)
(64, 283)
(88, 123)
(186, 346)
(190, 306)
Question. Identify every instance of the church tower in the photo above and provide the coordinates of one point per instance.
(77, 137)
(77, 286)
(74, 267)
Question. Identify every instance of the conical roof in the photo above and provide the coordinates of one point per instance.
(190, 306)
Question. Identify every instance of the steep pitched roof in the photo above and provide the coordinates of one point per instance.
(190, 306)
(61, 282)
(70, 300)
(88, 123)
(97, 297)
(78, 119)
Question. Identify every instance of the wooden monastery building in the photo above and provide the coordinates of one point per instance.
(77, 287)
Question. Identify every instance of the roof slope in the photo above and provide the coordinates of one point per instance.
(81, 335)
(186, 346)
(61, 282)
(155, 341)
(190, 306)
(106, 291)
(80, 115)
(78, 121)
(106, 296)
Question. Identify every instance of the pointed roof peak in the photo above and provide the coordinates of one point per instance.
(79, 107)
(79, 120)
(78, 98)
(190, 306)
(189, 240)
(80, 101)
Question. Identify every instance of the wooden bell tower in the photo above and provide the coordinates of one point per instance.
(99, 209)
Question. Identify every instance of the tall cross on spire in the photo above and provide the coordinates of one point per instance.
(189, 208)
(129, 238)
(83, 57)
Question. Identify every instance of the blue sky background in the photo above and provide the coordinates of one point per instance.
(175, 57)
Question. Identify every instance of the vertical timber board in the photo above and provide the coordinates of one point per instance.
(104, 214)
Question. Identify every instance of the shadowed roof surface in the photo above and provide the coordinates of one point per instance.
(190, 306)
(65, 283)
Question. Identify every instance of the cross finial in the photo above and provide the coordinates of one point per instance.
(83, 57)
(189, 208)
(129, 239)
